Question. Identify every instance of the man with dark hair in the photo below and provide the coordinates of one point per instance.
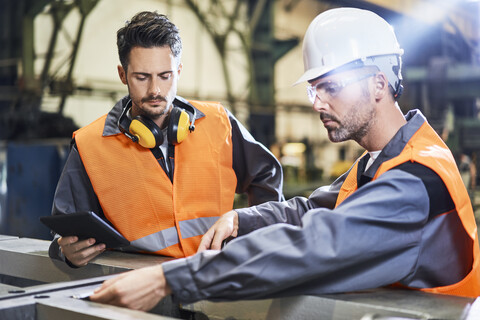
(159, 168)
(147, 30)
(400, 216)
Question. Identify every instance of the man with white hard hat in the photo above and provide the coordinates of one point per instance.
(400, 216)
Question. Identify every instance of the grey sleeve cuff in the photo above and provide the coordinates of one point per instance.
(248, 220)
(54, 252)
(265, 214)
(179, 278)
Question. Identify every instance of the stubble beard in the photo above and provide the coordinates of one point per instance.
(356, 123)
(152, 113)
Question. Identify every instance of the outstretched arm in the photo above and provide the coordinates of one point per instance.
(242, 221)
(225, 227)
(139, 289)
(372, 239)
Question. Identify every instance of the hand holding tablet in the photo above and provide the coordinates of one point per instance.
(85, 225)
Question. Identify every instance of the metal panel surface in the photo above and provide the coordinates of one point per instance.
(432, 306)
(372, 304)
(62, 301)
(5, 289)
(4, 237)
(28, 258)
(52, 308)
(56, 309)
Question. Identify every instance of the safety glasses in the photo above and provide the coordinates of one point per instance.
(330, 89)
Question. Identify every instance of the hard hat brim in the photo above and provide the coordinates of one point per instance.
(312, 74)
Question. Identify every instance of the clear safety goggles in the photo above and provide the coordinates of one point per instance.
(330, 89)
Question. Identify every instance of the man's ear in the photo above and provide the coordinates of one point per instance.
(381, 86)
(122, 74)
(179, 69)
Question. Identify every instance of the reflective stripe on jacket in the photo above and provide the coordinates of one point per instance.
(426, 148)
(140, 200)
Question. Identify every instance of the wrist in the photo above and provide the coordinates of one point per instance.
(164, 287)
(235, 223)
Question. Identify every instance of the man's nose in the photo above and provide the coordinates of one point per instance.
(154, 88)
(319, 105)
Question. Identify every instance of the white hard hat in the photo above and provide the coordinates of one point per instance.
(340, 36)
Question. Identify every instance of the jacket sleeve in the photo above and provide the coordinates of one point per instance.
(74, 193)
(370, 240)
(290, 211)
(259, 174)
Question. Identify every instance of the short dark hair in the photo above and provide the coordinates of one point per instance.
(147, 30)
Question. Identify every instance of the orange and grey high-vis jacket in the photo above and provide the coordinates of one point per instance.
(407, 220)
(427, 148)
(139, 199)
(258, 175)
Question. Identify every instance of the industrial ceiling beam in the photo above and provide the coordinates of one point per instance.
(58, 12)
(32, 8)
(85, 7)
(265, 51)
(433, 12)
(260, 48)
(462, 80)
(210, 18)
(24, 119)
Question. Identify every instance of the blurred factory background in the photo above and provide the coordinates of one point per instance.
(58, 72)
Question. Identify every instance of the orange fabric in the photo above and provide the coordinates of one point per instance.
(427, 148)
(349, 185)
(139, 198)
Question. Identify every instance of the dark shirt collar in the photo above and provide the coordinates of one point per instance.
(415, 119)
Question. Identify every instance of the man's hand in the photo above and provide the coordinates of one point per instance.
(226, 226)
(79, 253)
(139, 289)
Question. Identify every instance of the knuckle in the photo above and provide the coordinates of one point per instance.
(82, 255)
(123, 301)
(117, 292)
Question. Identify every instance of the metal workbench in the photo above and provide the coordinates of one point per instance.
(57, 290)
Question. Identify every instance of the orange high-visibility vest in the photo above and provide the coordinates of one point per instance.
(428, 149)
(139, 199)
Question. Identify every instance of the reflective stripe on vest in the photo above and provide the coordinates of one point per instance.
(169, 237)
(428, 149)
(140, 200)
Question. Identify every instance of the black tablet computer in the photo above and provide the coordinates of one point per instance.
(85, 225)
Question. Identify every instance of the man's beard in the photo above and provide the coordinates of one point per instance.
(153, 113)
(354, 126)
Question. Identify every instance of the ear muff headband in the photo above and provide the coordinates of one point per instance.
(144, 131)
(147, 132)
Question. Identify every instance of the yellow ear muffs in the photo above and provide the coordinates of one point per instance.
(179, 126)
(147, 132)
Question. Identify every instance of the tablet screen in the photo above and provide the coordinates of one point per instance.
(85, 225)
